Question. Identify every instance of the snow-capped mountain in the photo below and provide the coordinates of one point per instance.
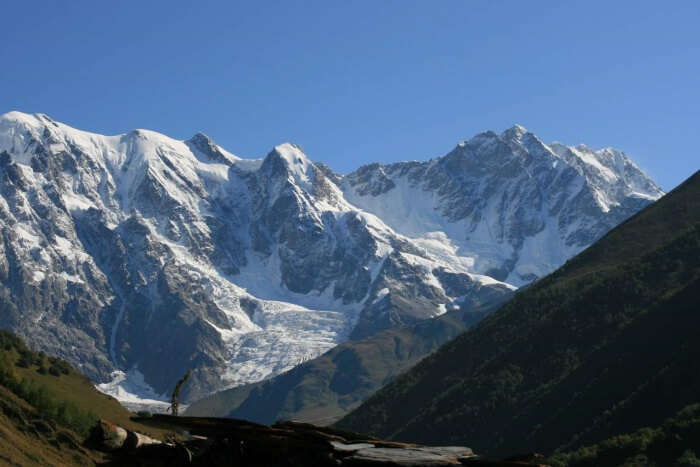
(145, 255)
(507, 206)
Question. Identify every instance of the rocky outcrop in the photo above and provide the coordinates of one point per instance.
(217, 441)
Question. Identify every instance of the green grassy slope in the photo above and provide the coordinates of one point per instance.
(27, 439)
(605, 345)
(47, 409)
(324, 389)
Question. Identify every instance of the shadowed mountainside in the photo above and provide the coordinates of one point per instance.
(605, 345)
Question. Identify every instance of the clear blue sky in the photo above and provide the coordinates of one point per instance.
(361, 81)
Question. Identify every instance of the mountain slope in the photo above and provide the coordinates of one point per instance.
(605, 345)
(21, 442)
(324, 389)
(138, 257)
(47, 409)
(672, 443)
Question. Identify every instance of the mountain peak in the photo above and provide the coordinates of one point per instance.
(292, 153)
(201, 143)
(20, 118)
(16, 115)
(514, 132)
(27, 120)
(200, 136)
(292, 156)
(289, 160)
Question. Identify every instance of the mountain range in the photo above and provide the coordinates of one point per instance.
(137, 256)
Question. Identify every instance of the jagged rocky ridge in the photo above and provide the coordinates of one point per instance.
(149, 255)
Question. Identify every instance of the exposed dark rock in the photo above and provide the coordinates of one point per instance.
(226, 442)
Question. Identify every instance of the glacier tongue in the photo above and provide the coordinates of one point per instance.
(138, 257)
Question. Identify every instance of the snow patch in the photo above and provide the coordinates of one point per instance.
(132, 391)
(381, 294)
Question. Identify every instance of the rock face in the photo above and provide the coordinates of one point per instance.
(149, 256)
